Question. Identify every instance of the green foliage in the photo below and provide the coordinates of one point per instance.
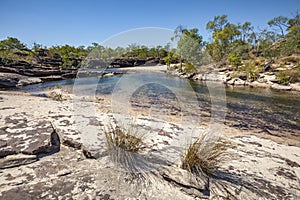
(235, 59)
(172, 58)
(58, 87)
(253, 68)
(11, 49)
(11, 44)
(189, 68)
(225, 37)
(288, 76)
(143, 51)
(189, 45)
(280, 22)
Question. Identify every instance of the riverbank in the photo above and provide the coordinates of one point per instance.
(265, 80)
(47, 145)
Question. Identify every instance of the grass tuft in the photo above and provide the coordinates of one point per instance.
(128, 140)
(204, 156)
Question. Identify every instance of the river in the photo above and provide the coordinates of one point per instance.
(247, 108)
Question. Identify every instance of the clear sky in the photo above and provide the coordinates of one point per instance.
(58, 22)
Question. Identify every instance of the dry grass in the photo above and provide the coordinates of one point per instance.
(291, 59)
(128, 140)
(205, 156)
(58, 95)
(124, 147)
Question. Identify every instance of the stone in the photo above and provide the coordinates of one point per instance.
(188, 75)
(29, 81)
(259, 84)
(108, 74)
(242, 76)
(51, 78)
(295, 86)
(9, 80)
(27, 137)
(198, 77)
(257, 168)
(239, 82)
(280, 87)
(184, 178)
(17, 160)
(231, 81)
(270, 78)
(214, 77)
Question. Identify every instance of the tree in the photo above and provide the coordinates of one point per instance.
(217, 24)
(224, 36)
(11, 44)
(189, 45)
(292, 42)
(280, 22)
(246, 31)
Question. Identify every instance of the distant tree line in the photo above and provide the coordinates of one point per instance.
(229, 43)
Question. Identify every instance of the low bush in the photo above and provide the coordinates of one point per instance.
(289, 76)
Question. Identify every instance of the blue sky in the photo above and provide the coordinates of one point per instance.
(58, 22)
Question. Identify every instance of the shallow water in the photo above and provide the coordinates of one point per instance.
(247, 108)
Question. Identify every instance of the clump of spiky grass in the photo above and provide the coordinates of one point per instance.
(128, 140)
(124, 147)
(205, 155)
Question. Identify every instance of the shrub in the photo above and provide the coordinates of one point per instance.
(289, 76)
(205, 156)
(58, 87)
(189, 68)
(235, 59)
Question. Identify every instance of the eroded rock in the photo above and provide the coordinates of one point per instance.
(28, 137)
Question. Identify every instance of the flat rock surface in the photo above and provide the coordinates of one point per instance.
(258, 168)
(27, 137)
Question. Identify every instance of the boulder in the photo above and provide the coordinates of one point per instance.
(187, 75)
(152, 61)
(295, 86)
(198, 77)
(196, 186)
(236, 82)
(281, 87)
(15, 80)
(242, 75)
(214, 77)
(259, 84)
(51, 78)
(239, 82)
(29, 81)
(9, 80)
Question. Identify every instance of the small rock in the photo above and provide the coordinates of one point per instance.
(198, 77)
(231, 81)
(239, 82)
